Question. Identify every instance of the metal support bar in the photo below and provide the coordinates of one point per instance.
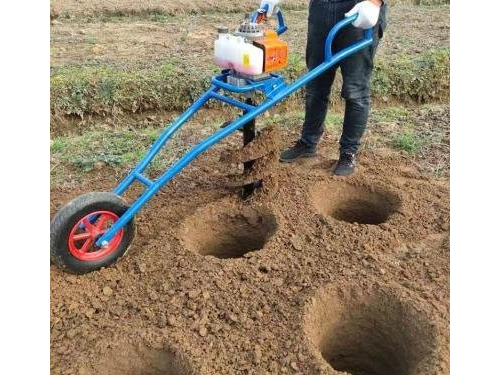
(162, 139)
(143, 179)
(234, 102)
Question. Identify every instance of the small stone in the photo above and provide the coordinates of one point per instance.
(203, 331)
(153, 295)
(89, 313)
(296, 243)
(141, 267)
(232, 317)
(71, 333)
(193, 294)
(107, 291)
(294, 366)
(278, 282)
(382, 271)
(206, 295)
(162, 321)
(257, 355)
(172, 321)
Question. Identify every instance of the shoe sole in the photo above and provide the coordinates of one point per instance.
(342, 174)
(309, 155)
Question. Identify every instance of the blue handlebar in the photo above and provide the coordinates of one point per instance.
(282, 27)
(335, 29)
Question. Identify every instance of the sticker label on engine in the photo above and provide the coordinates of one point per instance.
(246, 60)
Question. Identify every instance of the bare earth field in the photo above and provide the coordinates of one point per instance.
(314, 274)
(188, 40)
(79, 8)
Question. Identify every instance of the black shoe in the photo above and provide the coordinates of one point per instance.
(345, 165)
(300, 150)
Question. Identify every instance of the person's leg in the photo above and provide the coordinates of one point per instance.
(318, 90)
(356, 73)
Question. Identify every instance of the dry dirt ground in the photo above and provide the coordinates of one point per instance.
(313, 275)
(79, 8)
(138, 42)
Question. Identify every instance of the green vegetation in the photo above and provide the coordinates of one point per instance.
(407, 141)
(112, 148)
(334, 121)
(97, 90)
(423, 78)
(103, 90)
(390, 114)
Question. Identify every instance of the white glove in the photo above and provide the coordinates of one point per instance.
(271, 4)
(367, 14)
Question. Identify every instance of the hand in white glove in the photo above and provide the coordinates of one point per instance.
(271, 4)
(368, 13)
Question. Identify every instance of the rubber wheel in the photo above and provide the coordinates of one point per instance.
(77, 226)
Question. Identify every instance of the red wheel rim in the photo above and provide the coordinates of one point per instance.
(83, 236)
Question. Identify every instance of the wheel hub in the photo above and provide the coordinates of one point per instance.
(84, 234)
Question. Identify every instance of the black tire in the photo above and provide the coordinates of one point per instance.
(69, 215)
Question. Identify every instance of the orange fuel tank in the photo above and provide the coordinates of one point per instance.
(275, 51)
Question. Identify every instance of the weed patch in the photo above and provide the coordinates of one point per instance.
(407, 141)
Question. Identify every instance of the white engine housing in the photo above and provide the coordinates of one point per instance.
(233, 52)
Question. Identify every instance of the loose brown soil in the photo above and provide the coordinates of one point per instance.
(317, 276)
(187, 41)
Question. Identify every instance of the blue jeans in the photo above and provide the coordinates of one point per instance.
(356, 71)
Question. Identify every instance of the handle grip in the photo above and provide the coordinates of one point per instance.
(336, 28)
(281, 28)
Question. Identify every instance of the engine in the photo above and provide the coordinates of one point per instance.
(252, 50)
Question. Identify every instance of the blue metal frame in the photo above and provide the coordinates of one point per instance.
(275, 90)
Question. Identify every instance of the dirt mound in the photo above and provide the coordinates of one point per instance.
(227, 229)
(371, 332)
(263, 151)
(267, 141)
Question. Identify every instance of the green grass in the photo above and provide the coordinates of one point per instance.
(390, 114)
(407, 141)
(106, 90)
(108, 147)
(98, 147)
(421, 79)
(334, 121)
